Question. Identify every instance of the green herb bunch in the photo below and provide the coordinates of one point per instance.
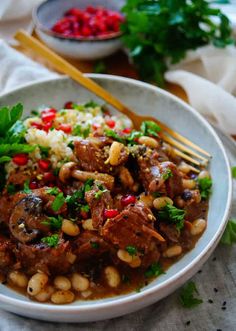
(159, 32)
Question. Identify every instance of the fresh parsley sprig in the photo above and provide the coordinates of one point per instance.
(229, 236)
(154, 270)
(187, 298)
(205, 185)
(173, 215)
(51, 241)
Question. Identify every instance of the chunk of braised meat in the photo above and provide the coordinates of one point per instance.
(41, 257)
(89, 245)
(169, 232)
(132, 227)
(196, 210)
(156, 176)
(92, 154)
(98, 199)
(18, 178)
(6, 255)
(7, 203)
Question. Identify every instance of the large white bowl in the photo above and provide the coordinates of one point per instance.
(144, 99)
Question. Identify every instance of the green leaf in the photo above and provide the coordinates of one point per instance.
(91, 104)
(167, 174)
(205, 185)
(9, 116)
(81, 131)
(132, 250)
(58, 202)
(100, 67)
(51, 241)
(44, 151)
(154, 270)
(173, 215)
(16, 133)
(229, 236)
(234, 172)
(11, 149)
(114, 135)
(187, 296)
(150, 128)
(100, 192)
(55, 223)
(26, 188)
(4, 159)
(53, 190)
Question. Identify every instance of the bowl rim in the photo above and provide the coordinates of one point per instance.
(39, 25)
(188, 271)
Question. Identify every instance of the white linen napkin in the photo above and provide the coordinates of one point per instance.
(208, 77)
(17, 69)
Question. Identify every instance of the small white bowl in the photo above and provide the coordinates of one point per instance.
(147, 100)
(47, 14)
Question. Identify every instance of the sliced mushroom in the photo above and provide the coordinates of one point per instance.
(26, 219)
(68, 171)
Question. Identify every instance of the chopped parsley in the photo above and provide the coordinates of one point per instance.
(172, 214)
(44, 151)
(167, 174)
(115, 135)
(58, 202)
(234, 172)
(150, 128)
(100, 192)
(54, 222)
(4, 159)
(205, 185)
(154, 270)
(11, 188)
(229, 236)
(26, 188)
(187, 298)
(94, 244)
(81, 131)
(132, 250)
(53, 190)
(51, 241)
(85, 208)
(91, 104)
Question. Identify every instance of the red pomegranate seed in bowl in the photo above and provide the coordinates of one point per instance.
(128, 199)
(44, 164)
(110, 213)
(66, 128)
(68, 105)
(20, 159)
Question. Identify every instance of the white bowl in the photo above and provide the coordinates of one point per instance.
(47, 13)
(144, 99)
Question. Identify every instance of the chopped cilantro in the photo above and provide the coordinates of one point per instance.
(44, 151)
(234, 172)
(172, 214)
(154, 270)
(150, 128)
(54, 222)
(88, 184)
(51, 241)
(205, 185)
(167, 174)
(229, 236)
(26, 188)
(133, 136)
(187, 298)
(81, 131)
(4, 159)
(53, 190)
(91, 104)
(58, 202)
(99, 193)
(85, 208)
(94, 244)
(131, 250)
(115, 135)
(11, 188)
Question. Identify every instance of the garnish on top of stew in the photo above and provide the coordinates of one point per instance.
(89, 206)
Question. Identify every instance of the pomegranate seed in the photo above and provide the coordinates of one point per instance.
(127, 130)
(20, 159)
(49, 177)
(33, 185)
(48, 117)
(49, 110)
(96, 126)
(68, 105)
(111, 123)
(36, 125)
(47, 126)
(65, 128)
(110, 213)
(128, 199)
(44, 164)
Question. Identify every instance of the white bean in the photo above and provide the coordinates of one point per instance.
(124, 256)
(115, 153)
(45, 294)
(204, 174)
(86, 294)
(198, 226)
(37, 283)
(62, 283)
(146, 199)
(79, 282)
(136, 262)
(62, 297)
(70, 228)
(173, 251)
(88, 224)
(148, 141)
(189, 184)
(112, 276)
(18, 278)
(161, 202)
(184, 167)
